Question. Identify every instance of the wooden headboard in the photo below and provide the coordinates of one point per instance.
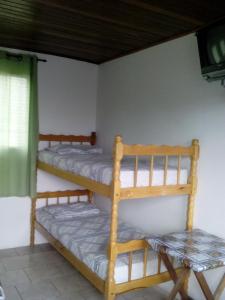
(69, 138)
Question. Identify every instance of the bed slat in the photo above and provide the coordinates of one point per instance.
(178, 169)
(130, 265)
(135, 171)
(165, 169)
(145, 262)
(151, 170)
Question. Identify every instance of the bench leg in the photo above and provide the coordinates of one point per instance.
(173, 274)
(204, 286)
(220, 288)
(179, 284)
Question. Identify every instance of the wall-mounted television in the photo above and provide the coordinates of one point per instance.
(211, 45)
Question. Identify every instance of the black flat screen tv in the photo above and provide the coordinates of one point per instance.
(211, 46)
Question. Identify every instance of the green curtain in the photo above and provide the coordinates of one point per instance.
(18, 125)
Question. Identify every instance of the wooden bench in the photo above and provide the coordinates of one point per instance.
(196, 251)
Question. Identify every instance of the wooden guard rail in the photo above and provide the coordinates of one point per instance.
(129, 248)
(64, 194)
(151, 152)
(68, 138)
(118, 193)
(143, 247)
(58, 195)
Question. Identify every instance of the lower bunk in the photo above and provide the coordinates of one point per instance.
(80, 232)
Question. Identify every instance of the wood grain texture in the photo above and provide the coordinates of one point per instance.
(174, 276)
(115, 197)
(191, 197)
(154, 191)
(193, 182)
(92, 185)
(156, 150)
(116, 194)
(96, 30)
(220, 288)
(69, 138)
(204, 286)
(132, 245)
(110, 290)
(144, 282)
(67, 193)
(179, 285)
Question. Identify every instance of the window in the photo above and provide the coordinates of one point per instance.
(18, 125)
(14, 112)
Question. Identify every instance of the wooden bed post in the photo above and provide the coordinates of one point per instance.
(32, 221)
(191, 197)
(193, 182)
(115, 196)
(90, 196)
(93, 138)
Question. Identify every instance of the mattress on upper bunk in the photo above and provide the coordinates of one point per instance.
(98, 167)
(87, 238)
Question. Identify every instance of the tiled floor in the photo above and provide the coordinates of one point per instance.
(43, 274)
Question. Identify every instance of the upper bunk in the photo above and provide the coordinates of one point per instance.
(135, 171)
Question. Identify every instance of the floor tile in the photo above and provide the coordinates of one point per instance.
(43, 290)
(120, 297)
(7, 253)
(36, 249)
(2, 268)
(67, 269)
(155, 292)
(68, 283)
(43, 272)
(144, 294)
(17, 262)
(91, 294)
(32, 260)
(83, 283)
(133, 294)
(49, 257)
(72, 296)
(49, 271)
(12, 278)
(11, 293)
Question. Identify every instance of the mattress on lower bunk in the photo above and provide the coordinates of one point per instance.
(87, 238)
(99, 167)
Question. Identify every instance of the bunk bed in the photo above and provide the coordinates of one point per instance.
(184, 182)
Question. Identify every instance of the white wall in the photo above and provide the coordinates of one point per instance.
(67, 96)
(67, 104)
(158, 96)
(154, 96)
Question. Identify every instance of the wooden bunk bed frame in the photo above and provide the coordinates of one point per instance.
(116, 193)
